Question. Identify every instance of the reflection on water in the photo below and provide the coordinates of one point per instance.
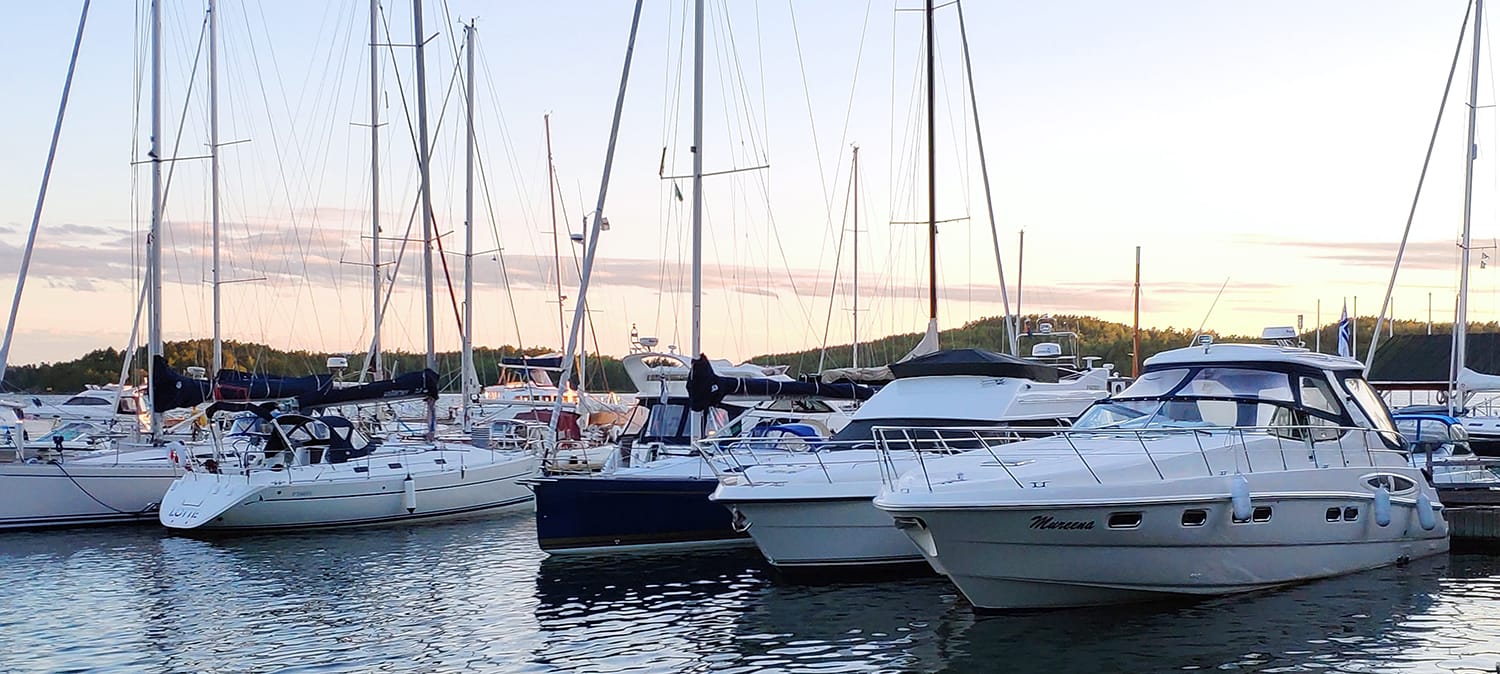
(478, 595)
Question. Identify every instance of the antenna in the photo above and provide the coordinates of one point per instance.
(1211, 306)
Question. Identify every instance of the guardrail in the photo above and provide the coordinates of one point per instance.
(1240, 449)
(734, 459)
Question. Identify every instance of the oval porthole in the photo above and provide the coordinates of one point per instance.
(1395, 484)
(1126, 520)
(1261, 514)
(1194, 518)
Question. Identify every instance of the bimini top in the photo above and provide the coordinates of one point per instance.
(977, 362)
(1250, 353)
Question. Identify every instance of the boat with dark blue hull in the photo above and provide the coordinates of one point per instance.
(654, 491)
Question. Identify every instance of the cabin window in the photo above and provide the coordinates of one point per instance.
(1261, 514)
(1351, 514)
(1238, 383)
(1194, 518)
(127, 406)
(1392, 483)
(394, 465)
(1317, 395)
(1129, 520)
(1334, 515)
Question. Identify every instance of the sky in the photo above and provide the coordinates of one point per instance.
(1267, 149)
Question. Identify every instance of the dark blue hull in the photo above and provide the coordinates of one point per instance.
(576, 513)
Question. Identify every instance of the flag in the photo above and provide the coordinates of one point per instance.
(678, 191)
(1346, 333)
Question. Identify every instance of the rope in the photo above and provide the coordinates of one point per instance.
(149, 507)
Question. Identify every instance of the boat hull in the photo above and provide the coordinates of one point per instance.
(811, 533)
(1065, 556)
(38, 495)
(580, 514)
(207, 502)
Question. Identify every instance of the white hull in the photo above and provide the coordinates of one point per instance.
(44, 494)
(834, 533)
(338, 496)
(1002, 558)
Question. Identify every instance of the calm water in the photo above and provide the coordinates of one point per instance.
(478, 595)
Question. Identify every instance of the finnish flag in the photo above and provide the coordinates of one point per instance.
(1346, 333)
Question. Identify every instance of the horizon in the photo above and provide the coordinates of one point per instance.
(1270, 151)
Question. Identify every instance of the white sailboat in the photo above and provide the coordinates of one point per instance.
(310, 472)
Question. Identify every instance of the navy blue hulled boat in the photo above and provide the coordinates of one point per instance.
(655, 492)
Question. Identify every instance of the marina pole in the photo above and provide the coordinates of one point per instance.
(552, 203)
(424, 156)
(41, 197)
(1318, 334)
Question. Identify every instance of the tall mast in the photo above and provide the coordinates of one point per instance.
(697, 423)
(424, 159)
(374, 366)
(854, 170)
(989, 200)
(552, 203)
(931, 177)
(153, 243)
(213, 162)
(1461, 318)
(41, 198)
(467, 365)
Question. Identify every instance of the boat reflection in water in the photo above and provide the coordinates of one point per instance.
(478, 596)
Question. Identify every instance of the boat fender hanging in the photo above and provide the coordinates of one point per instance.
(1383, 506)
(1239, 496)
(409, 494)
(1426, 514)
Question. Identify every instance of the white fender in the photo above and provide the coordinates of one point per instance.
(409, 494)
(1239, 496)
(1426, 514)
(1382, 506)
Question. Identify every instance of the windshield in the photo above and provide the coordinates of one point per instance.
(1370, 402)
(1210, 397)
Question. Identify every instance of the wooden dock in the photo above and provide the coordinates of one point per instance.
(1473, 513)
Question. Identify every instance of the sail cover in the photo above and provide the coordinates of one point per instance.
(422, 384)
(973, 362)
(707, 388)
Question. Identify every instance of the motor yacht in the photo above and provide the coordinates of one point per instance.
(814, 508)
(1440, 447)
(1224, 468)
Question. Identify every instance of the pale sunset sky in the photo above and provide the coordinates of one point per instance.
(1273, 144)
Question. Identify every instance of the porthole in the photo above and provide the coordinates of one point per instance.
(1194, 518)
(1351, 514)
(1127, 520)
(1334, 515)
(1261, 514)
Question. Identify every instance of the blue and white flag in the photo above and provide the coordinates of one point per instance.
(1346, 333)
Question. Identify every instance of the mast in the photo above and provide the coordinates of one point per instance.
(552, 203)
(213, 162)
(374, 367)
(153, 240)
(593, 239)
(1135, 333)
(697, 423)
(989, 200)
(41, 197)
(424, 159)
(931, 178)
(855, 171)
(467, 365)
(1461, 318)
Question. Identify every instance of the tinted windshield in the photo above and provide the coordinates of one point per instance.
(1213, 397)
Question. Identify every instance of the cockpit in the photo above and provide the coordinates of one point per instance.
(1241, 396)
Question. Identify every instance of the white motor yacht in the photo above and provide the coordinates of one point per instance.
(814, 508)
(110, 406)
(1223, 468)
(313, 472)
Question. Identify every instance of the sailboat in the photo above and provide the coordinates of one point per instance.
(302, 471)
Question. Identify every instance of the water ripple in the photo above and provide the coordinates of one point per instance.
(479, 596)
